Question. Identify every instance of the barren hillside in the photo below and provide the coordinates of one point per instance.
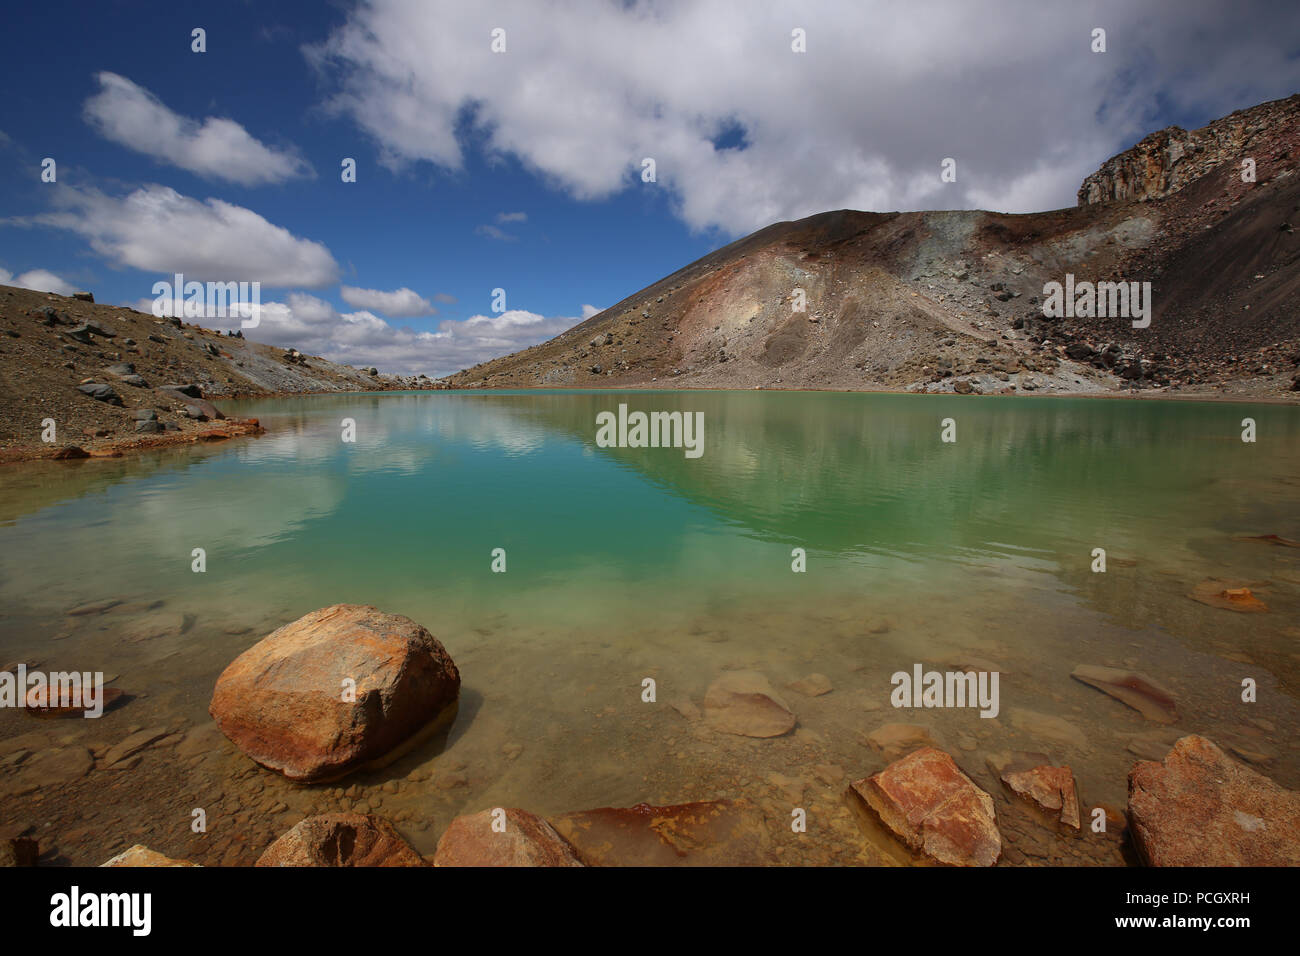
(98, 371)
(943, 301)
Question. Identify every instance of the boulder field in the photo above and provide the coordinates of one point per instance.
(349, 687)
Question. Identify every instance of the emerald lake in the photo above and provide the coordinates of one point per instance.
(622, 564)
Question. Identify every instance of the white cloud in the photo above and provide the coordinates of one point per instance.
(504, 217)
(39, 280)
(401, 303)
(214, 149)
(159, 230)
(884, 92)
(314, 326)
(492, 232)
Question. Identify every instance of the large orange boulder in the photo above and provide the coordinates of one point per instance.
(1199, 807)
(338, 689)
(934, 808)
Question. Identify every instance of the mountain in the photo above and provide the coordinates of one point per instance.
(944, 301)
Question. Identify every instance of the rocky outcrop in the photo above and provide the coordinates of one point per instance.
(341, 839)
(934, 808)
(337, 689)
(1199, 807)
(707, 833)
(745, 703)
(505, 837)
(1166, 161)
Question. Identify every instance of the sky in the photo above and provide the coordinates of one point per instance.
(502, 145)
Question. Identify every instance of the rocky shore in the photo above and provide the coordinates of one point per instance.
(349, 691)
(81, 380)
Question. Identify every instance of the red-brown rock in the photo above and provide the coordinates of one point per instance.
(707, 833)
(1138, 691)
(1050, 789)
(520, 839)
(1199, 807)
(933, 807)
(284, 703)
(341, 839)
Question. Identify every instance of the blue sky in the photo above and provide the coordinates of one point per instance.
(520, 170)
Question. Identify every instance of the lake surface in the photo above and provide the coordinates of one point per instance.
(628, 563)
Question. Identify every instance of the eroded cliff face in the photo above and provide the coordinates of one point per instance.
(1167, 160)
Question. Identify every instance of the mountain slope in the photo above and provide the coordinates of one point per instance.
(50, 345)
(939, 301)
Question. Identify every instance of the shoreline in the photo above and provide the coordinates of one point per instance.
(231, 428)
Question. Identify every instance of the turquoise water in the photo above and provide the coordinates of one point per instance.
(628, 562)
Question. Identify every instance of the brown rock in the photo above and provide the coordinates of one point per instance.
(140, 855)
(525, 840)
(1221, 594)
(894, 740)
(744, 703)
(707, 833)
(341, 839)
(1049, 788)
(1136, 690)
(282, 702)
(133, 744)
(814, 685)
(935, 808)
(1202, 808)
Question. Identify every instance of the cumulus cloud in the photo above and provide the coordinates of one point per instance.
(745, 132)
(39, 280)
(312, 325)
(159, 230)
(401, 303)
(215, 148)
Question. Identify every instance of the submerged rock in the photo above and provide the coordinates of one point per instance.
(814, 685)
(934, 808)
(744, 703)
(338, 689)
(341, 839)
(1221, 594)
(1129, 687)
(1050, 789)
(1199, 807)
(48, 768)
(707, 833)
(525, 840)
(1047, 727)
(894, 740)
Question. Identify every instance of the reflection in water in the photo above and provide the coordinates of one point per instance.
(624, 563)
